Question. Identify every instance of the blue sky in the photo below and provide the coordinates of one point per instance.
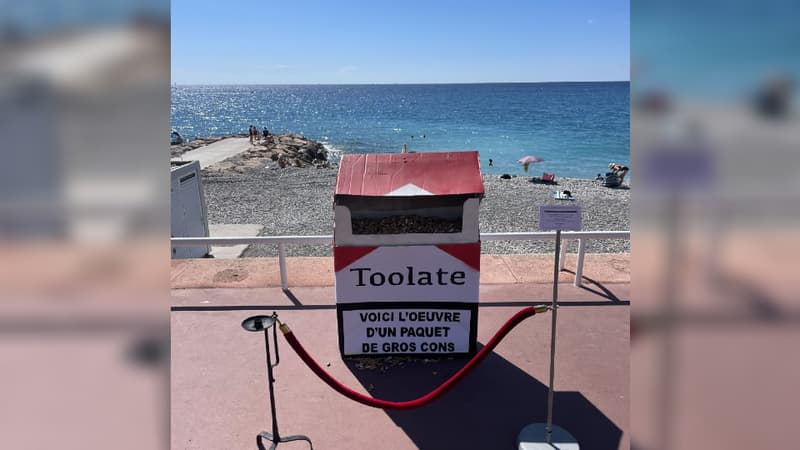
(342, 41)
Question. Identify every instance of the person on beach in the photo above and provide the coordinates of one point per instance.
(618, 170)
(250, 133)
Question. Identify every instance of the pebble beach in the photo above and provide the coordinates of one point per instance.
(299, 201)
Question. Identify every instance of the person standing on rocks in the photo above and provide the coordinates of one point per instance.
(266, 134)
(252, 134)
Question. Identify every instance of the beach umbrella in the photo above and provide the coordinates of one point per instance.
(527, 160)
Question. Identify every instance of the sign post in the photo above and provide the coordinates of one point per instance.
(546, 435)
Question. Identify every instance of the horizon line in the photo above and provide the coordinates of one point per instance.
(396, 83)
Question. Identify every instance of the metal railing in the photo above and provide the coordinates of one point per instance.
(282, 241)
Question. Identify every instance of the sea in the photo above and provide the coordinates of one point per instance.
(577, 128)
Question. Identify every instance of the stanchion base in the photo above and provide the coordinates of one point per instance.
(269, 437)
(534, 437)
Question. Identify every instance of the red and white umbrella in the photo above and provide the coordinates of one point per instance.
(526, 160)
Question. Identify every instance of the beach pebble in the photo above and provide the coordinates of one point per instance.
(299, 201)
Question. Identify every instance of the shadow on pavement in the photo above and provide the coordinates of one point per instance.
(603, 291)
(486, 410)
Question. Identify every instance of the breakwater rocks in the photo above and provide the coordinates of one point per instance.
(291, 150)
(278, 151)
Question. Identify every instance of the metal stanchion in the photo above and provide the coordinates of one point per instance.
(264, 323)
(538, 436)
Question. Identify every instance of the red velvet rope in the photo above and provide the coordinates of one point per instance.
(425, 399)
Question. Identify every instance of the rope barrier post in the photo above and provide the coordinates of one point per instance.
(541, 436)
(264, 323)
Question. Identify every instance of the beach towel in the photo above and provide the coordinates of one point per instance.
(560, 195)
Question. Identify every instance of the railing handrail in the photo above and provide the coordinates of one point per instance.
(250, 240)
(538, 235)
(328, 239)
(282, 241)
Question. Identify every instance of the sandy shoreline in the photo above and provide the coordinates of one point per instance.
(299, 201)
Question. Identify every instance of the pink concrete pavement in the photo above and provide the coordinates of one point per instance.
(318, 271)
(219, 395)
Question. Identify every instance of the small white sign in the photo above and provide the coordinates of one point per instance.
(560, 218)
(410, 330)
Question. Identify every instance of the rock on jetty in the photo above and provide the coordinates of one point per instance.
(278, 151)
(291, 150)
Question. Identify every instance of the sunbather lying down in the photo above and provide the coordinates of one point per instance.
(547, 178)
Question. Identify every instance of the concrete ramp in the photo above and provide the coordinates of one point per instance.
(231, 230)
(216, 152)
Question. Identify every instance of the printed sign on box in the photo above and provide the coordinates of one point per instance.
(412, 330)
(407, 273)
(407, 299)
